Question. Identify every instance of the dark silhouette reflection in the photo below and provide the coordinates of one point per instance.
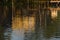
(58, 24)
(37, 25)
(50, 25)
(5, 18)
(1, 33)
(5, 32)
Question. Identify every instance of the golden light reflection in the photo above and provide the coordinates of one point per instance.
(27, 23)
(17, 23)
(31, 23)
(54, 14)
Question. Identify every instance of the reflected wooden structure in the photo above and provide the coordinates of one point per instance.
(35, 16)
(5, 12)
(42, 16)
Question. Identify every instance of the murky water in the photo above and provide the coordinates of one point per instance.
(24, 29)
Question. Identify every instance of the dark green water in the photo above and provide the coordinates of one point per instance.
(51, 32)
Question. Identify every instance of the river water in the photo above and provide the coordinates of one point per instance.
(23, 30)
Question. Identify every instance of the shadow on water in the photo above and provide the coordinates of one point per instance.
(1, 33)
(5, 33)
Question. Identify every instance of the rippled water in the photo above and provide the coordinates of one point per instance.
(25, 31)
(9, 34)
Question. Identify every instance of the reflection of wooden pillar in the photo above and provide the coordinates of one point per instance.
(42, 18)
(1, 12)
(37, 25)
(7, 11)
(48, 17)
